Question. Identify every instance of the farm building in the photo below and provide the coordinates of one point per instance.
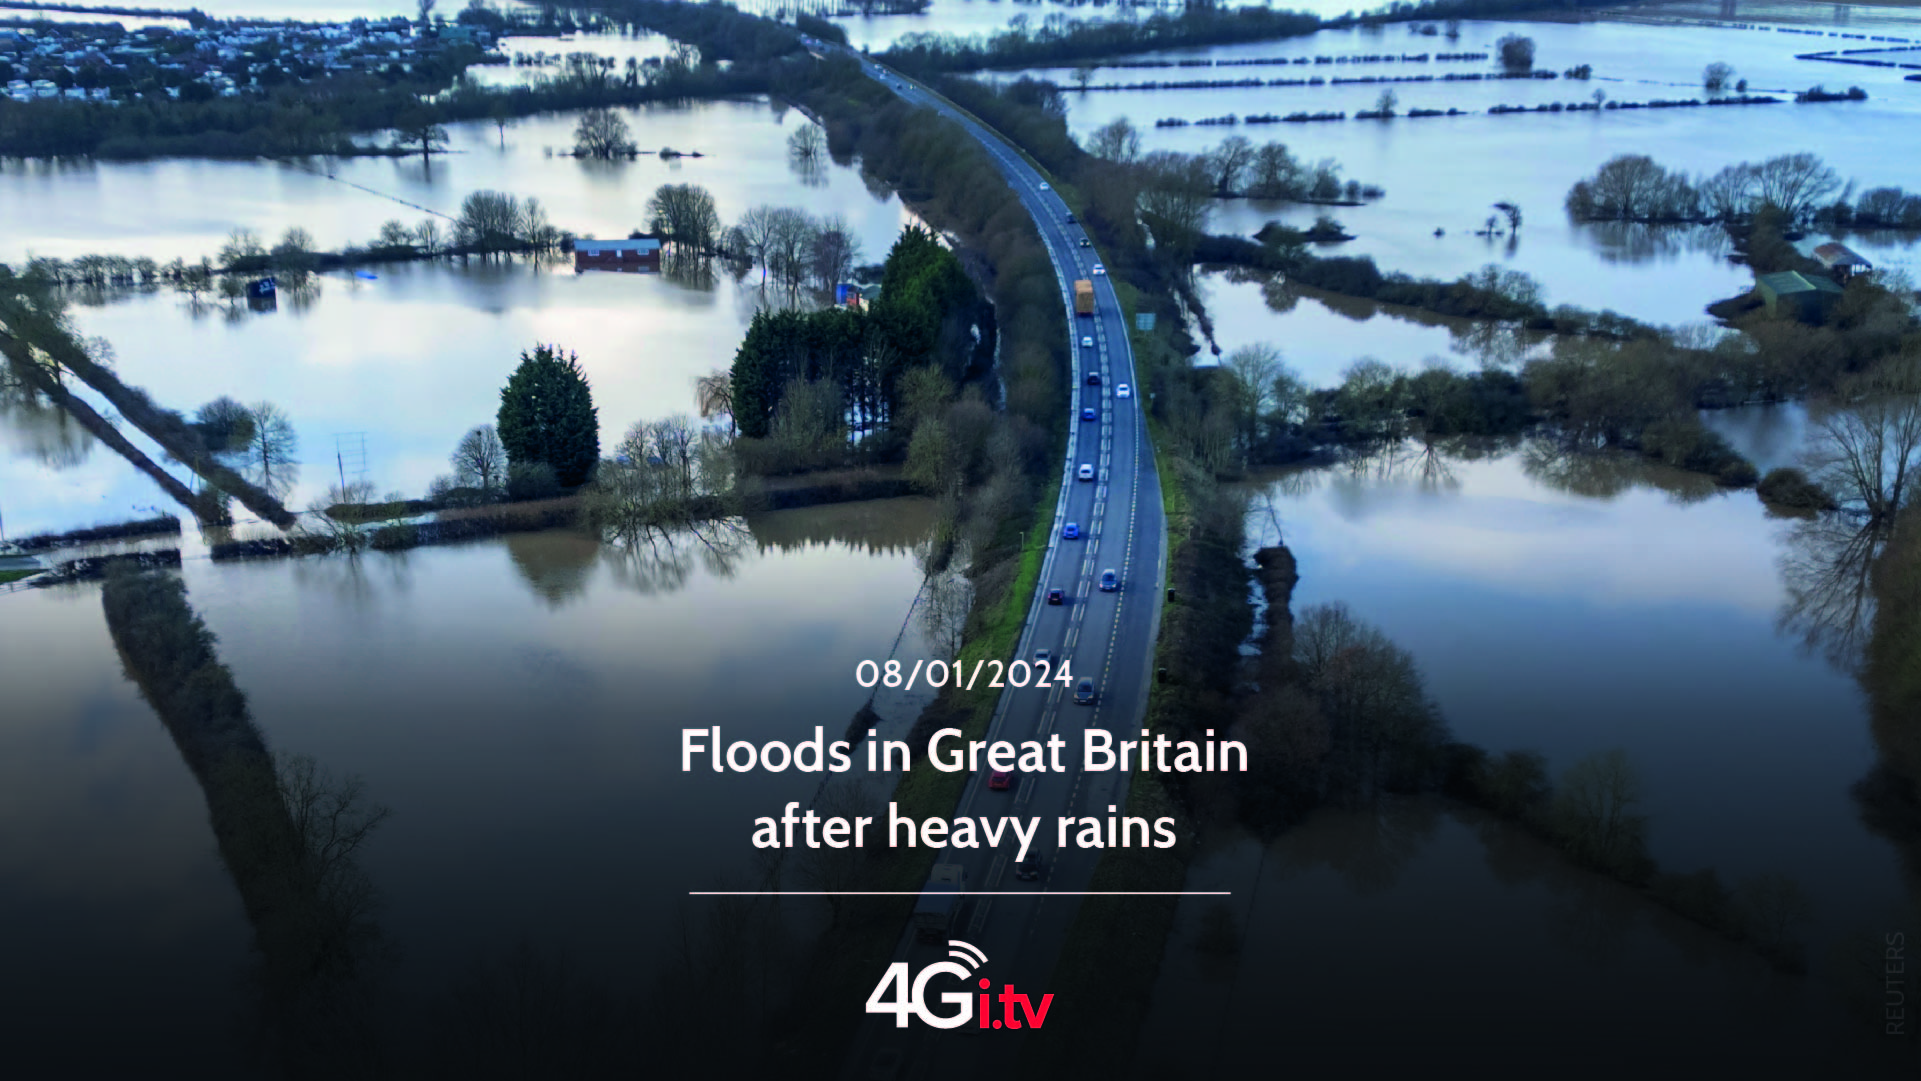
(1841, 260)
(635, 256)
(1802, 296)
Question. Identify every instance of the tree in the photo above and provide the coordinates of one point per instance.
(1116, 141)
(395, 236)
(1386, 102)
(1227, 163)
(224, 425)
(683, 215)
(808, 143)
(1516, 52)
(714, 395)
(1254, 372)
(1593, 813)
(836, 251)
(1083, 75)
(242, 251)
(293, 256)
(790, 245)
(602, 133)
(271, 448)
(480, 461)
(489, 221)
(427, 237)
(1513, 212)
(420, 127)
(1796, 183)
(1274, 173)
(423, 11)
(1866, 449)
(1177, 195)
(756, 233)
(502, 115)
(1716, 76)
(547, 415)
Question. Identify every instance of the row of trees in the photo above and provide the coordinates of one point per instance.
(1237, 167)
(924, 317)
(1636, 188)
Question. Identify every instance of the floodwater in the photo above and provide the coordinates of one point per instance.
(185, 208)
(1569, 606)
(1349, 921)
(1445, 173)
(381, 377)
(1320, 334)
(517, 704)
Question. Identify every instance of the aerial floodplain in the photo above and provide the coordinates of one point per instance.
(918, 539)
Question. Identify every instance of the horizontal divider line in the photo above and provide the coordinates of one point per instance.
(961, 893)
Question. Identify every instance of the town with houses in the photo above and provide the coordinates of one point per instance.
(106, 62)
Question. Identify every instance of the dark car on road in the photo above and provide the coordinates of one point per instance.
(1090, 413)
(1093, 379)
(1110, 582)
(1057, 596)
(1072, 531)
(1084, 693)
(1029, 869)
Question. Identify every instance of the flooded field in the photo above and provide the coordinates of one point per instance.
(514, 703)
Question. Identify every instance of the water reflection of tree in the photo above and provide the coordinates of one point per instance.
(36, 427)
(689, 270)
(1369, 846)
(1627, 242)
(1827, 571)
(287, 831)
(660, 560)
(1608, 474)
(555, 564)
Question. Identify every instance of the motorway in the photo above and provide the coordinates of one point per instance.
(1108, 636)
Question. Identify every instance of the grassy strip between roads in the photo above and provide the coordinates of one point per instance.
(15, 576)
(854, 955)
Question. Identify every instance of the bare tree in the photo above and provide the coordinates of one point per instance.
(714, 395)
(1274, 173)
(1177, 198)
(1227, 164)
(423, 11)
(1116, 141)
(427, 237)
(1797, 183)
(270, 452)
(1866, 449)
(756, 232)
(807, 143)
(1716, 76)
(480, 461)
(1254, 372)
(489, 221)
(602, 133)
(684, 216)
(836, 250)
(790, 246)
(1593, 809)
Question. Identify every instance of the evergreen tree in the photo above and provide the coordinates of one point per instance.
(547, 415)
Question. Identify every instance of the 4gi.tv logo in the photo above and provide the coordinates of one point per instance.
(910, 995)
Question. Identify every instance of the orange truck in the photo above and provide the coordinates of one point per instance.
(1083, 297)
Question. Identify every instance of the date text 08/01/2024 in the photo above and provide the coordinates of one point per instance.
(938, 673)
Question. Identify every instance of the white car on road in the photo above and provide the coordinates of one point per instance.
(1122, 391)
(1087, 472)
